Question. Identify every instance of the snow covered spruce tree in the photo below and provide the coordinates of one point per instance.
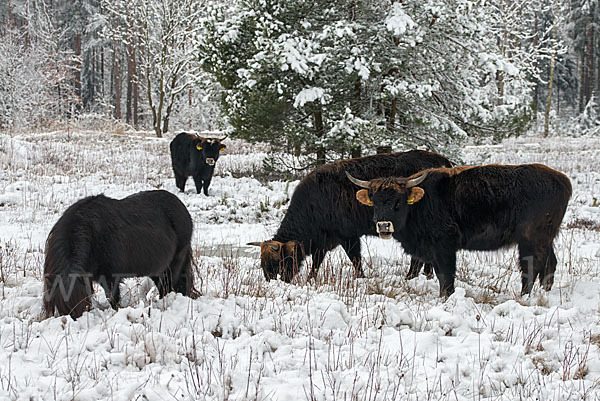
(343, 75)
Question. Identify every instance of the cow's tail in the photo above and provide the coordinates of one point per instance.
(67, 287)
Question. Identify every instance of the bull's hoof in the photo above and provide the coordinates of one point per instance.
(428, 270)
(446, 292)
(411, 274)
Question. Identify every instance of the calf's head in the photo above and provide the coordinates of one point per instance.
(278, 258)
(210, 149)
(391, 199)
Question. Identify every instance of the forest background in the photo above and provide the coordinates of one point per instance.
(317, 79)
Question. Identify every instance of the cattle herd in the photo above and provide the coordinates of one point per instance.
(418, 198)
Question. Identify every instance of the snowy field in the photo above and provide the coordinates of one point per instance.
(379, 338)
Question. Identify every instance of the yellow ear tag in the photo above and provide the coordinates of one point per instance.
(415, 195)
(198, 146)
(222, 148)
(363, 197)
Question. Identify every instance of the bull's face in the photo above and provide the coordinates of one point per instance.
(278, 258)
(210, 149)
(391, 199)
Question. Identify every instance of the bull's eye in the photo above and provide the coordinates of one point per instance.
(397, 205)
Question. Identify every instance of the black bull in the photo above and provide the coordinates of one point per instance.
(195, 156)
(437, 212)
(104, 240)
(323, 213)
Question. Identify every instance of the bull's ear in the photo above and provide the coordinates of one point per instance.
(222, 147)
(291, 248)
(415, 195)
(363, 197)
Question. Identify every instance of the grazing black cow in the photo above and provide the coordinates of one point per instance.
(104, 240)
(192, 155)
(436, 212)
(323, 213)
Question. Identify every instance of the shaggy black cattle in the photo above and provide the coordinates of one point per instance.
(192, 155)
(436, 212)
(105, 240)
(323, 213)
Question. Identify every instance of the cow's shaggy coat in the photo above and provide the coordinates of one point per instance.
(103, 240)
(474, 208)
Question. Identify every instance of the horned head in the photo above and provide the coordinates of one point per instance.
(390, 198)
(210, 148)
(279, 258)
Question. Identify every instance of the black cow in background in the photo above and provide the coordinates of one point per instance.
(437, 212)
(324, 213)
(192, 155)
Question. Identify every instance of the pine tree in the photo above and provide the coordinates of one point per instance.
(337, 76)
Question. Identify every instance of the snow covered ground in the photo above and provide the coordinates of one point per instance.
(379, 338)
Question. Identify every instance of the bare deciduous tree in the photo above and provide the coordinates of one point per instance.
(163, 32)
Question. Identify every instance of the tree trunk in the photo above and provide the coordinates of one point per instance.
(77, 51)
(102, 88)
(581, 80)
(549, 98)
(589, 66)
(320, 132)
(135, 92)
(536, 90)
(117, 80)
(552, 65)
(130, 79)
(391, 120)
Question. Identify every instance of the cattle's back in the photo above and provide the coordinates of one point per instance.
(182, 148)
(325, 200)
(516, 187)
(493, 204)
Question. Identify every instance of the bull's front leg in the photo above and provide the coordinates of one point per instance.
(205, 185)
(317, 258)
(352, 248)
(198, 182)
(445, 270)
(415, 268)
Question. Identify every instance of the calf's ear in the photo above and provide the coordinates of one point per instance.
(415, 195)
(363, 197)
(199, 146)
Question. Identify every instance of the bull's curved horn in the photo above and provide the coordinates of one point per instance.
(416, 181)
(273, 245)
(225, 137)
(360, 183)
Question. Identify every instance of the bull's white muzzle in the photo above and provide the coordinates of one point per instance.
(385, 229)
(210, 161)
